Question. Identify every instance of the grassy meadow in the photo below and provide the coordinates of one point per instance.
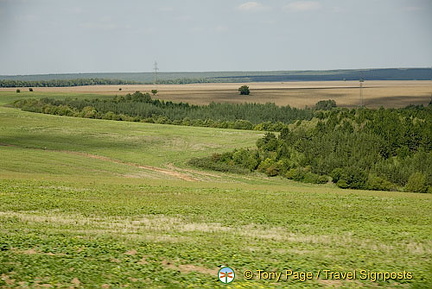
(90, 203)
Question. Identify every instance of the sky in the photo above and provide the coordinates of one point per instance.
(79, 36)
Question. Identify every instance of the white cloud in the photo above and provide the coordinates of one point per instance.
(301, 6)
(251, 6)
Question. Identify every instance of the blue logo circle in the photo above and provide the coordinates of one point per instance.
(226, 275)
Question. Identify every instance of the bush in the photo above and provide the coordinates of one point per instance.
(244, 90)
(336, 174)
(272, 170)
(265, 165)
(208, 163)
(303, 175)
(351, 177)
(342, 184)
(295, 174)
(311, 178)
(18, 91)
(417, 183)
(325, 104)
(376, 183)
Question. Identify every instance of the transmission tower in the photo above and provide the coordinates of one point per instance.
(361, 92)
(155, 69)
(361, 80)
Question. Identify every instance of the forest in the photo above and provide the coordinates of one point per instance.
(63, 82)
(360, 148)
(140, 107)
(94, 81)
(374, 149)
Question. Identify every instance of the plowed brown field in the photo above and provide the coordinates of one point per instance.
(295, 94)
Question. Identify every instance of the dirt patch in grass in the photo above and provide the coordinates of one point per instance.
(188, 268)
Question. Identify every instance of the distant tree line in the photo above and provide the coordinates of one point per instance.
(186, 81)
(93, 81)
(376, 149)
(238, 76)
(64, 82)
(140, 107)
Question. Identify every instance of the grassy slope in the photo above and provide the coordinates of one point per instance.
(69, 218)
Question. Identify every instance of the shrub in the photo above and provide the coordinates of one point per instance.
(342, 184)
(272, 170)
(351, 177)
(208, 163)
(311, 178)
(417, 183)
(265, 165)
(295, 174)
(336, 174)
(325, 104)
(376, 183)
(244, 90)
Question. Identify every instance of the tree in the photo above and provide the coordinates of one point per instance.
(154, 92)
(244, 90)
(325, 104)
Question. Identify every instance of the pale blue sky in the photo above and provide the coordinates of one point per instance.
(62, 36)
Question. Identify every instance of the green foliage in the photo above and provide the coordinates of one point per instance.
(417, 183)
(18, 91)
(244, 90)
(63, 82)
(353, 178)
(377, 183)
(384, 149)
(305, 176)
(325, 104)
(141, 107)
(268, 143)
(359, 148)
(209, 163)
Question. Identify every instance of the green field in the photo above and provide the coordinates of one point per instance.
(90, 203)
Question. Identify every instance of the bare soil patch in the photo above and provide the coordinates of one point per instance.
(189, 268)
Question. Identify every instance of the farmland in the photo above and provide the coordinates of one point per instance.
(88, 203)
(295, 94)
